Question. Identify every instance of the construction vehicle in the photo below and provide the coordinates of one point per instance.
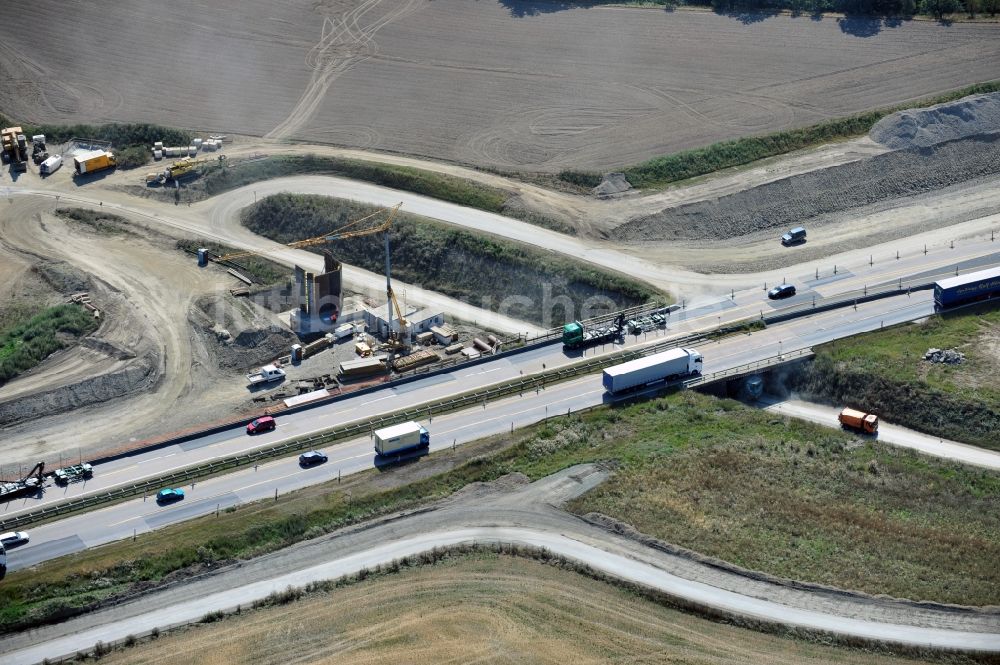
(29, 484)
(859, 421)
(575, 336)
(400, 341)
(176, 171)
(15, 148)
(38, 152)
(93, 161)
(74, 473)
(266, 374)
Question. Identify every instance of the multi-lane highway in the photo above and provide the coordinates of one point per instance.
(141, 515)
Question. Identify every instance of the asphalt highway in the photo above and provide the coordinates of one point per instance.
(122, 520)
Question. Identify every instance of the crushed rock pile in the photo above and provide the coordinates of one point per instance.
(612, 185)
(796, 200)
(921, 128)
(947, 356)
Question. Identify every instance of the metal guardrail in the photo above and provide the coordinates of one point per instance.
(445, 405)
(750, 368)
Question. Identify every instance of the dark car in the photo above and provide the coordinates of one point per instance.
(169, 495)
(781, 291)
(312, 457)
(794, 237)
(262, 424)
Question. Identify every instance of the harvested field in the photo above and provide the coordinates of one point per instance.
(808, 198)
(477, 82)
(484, 609)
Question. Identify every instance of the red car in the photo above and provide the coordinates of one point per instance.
(262, 424)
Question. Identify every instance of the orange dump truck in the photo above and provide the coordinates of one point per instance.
(859, 420)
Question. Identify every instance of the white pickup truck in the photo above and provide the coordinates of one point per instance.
(266, 374)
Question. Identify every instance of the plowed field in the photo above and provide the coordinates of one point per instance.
(519, 85)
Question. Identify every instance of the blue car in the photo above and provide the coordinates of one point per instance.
(169, 495)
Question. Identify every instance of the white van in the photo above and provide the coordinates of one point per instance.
(50, 165)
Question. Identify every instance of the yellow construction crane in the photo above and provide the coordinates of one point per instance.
(351, 230)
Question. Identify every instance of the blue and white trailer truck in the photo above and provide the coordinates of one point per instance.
(402, 438)
(964, 289)
(666, 365)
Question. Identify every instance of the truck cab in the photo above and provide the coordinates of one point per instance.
(572, 334)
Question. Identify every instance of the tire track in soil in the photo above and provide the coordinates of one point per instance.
(343, 44)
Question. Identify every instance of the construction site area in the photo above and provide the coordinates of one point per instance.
(363, 208)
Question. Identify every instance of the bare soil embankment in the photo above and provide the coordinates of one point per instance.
(805, 199)
(150, 358)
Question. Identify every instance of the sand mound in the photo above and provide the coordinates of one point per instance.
(921, 128)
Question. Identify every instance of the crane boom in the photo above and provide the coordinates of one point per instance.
(342, 233)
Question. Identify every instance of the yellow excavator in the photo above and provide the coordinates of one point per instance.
(357, 229)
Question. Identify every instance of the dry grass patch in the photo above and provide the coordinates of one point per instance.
(482, 608)
(884, 371)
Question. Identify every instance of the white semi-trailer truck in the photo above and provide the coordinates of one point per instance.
(666, 365)
(401, 438)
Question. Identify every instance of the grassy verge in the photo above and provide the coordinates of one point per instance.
(661, 171)
(27, 344)
(496, 274)
(131, 142)
(782, 496)
(103, 223)
(540, 609)
(884, 371)
(218, 179)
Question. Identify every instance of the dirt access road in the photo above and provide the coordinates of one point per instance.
(509, 511)
(508, 84)
(140, 369)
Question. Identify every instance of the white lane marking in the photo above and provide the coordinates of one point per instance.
(495, 369)
(137, 517)
(153, 459)
(517, 413)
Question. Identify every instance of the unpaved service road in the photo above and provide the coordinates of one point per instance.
(486, 83)
(525, 515)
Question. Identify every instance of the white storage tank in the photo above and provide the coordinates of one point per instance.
(157, 154)
(158, 144)
(196, 143)
(192, 150)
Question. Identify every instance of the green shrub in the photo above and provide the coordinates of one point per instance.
(691, 163)
(26, 345)
(468, 266)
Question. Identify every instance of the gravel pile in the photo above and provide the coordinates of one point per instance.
(794, 201)
(920, 128)
(947, 356)
(612, 185)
